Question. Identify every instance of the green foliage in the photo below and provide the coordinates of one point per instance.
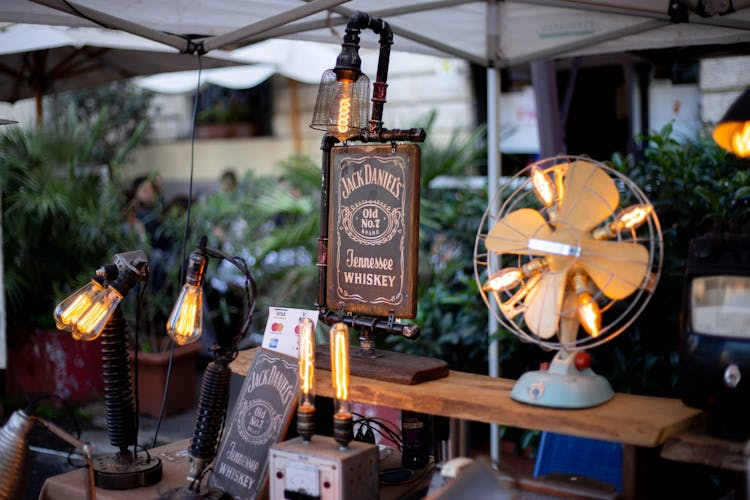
(272, 223)
(696, 188)
(126, 107)
(61, 215)
(450, 312)
(226, 113)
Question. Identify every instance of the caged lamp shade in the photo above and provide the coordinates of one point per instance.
(733, 130)
(343, 103)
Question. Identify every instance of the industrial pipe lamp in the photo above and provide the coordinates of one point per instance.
(94, 311)
(184, 326)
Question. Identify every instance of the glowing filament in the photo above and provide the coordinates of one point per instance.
(560, 181)
(306, 363)
(345, 108)
(185, 323)
(85, 326)
(741, 141)
(69, 311)
(503, 280)
(340, 366)
(630, 218)
(544, 188)
(589, 313)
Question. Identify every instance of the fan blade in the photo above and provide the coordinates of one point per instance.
(590, 196)
(569, 321)
(618, 268)
(543, 305)
(511, 234)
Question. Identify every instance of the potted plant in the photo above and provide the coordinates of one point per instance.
(233, 119)
(59, 224)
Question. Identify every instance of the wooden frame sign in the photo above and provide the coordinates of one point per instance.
(373, 230)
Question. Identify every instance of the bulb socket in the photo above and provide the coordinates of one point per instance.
(196, 268)
(342, 429)
(306, 422)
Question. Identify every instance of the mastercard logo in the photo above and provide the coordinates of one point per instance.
(277, 327)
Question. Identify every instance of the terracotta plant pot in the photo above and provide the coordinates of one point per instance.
(45, 362)
(226, 130)
(152, 377)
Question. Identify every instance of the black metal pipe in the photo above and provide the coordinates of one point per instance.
(408, 330)
(325, 183)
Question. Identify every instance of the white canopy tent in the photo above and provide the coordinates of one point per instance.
(302, 61)
(485, 32)
(490, 33)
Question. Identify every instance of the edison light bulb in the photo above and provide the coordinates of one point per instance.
(185, 323)
(92, 321)
(306, 364)
(589, 313)
(632, 217)
(741, 141)
(342, 415)
(544, 188)
(628, 219)
(69, 311)
(306, 372)
(503, 280)
(560, 171)
(340, 367)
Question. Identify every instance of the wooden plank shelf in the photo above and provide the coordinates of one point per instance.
(626, 418)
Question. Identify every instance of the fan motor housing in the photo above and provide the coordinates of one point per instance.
(715, 346)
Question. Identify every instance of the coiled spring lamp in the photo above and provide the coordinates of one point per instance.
(94, 311)
(184, 326)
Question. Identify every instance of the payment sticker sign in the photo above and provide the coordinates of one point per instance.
(281, 333)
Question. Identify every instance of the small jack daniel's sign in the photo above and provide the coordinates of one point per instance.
(373, 230)
(260, 419)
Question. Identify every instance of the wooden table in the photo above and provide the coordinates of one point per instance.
(640, 423)
(626, 418)
(175, 466)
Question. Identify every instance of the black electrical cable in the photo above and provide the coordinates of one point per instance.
(184, 240)
(382, 428)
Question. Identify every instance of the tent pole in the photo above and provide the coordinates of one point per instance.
(38, 104)
(493, 177)
(544, 81)
(494, 171)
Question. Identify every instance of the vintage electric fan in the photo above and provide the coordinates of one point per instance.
(571, 251)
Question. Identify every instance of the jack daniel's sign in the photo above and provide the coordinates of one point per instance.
(373, 230)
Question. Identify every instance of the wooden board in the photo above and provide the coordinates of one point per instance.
(395, 367)
(373, 230)
(697, 447)
(626, 418)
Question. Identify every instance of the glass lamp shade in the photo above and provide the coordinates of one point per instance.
(342, 105)
(733, 130)
(185, 323)
(85, 313)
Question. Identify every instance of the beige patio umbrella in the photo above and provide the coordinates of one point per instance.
(36, 60)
